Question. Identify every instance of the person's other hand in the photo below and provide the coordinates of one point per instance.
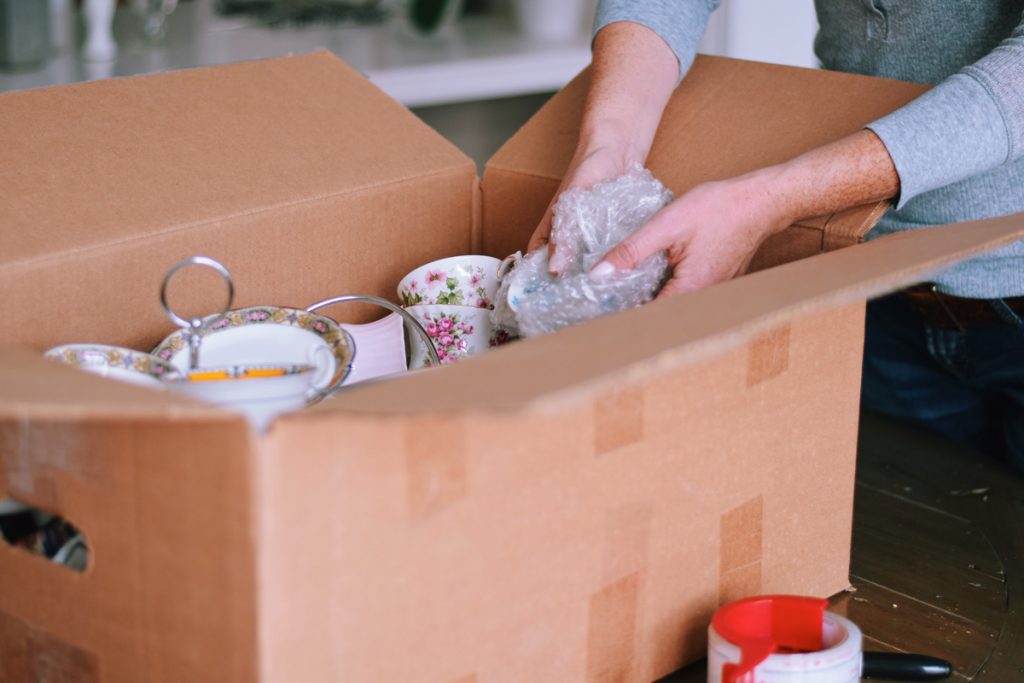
(710, 234)
(589, 166)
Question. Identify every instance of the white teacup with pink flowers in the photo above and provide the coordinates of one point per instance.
(456, 331)
(455, 281)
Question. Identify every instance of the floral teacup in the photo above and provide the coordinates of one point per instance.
(456, 281)
(456, 331)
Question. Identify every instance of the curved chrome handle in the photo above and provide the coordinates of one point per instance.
(406, 316)
(193, 328)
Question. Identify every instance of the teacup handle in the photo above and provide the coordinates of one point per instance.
(406, 316)
(507, 264)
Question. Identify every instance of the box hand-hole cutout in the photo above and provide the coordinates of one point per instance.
(43, 533)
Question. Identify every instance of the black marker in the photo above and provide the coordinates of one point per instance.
(897, 666)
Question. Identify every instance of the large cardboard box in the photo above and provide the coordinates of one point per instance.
(566, 508)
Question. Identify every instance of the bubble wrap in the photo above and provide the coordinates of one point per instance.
(587, 224)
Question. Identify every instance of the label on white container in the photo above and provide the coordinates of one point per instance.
(840, 661)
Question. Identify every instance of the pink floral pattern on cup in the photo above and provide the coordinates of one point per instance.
(450, 336)
(456, 332)
(456, 281)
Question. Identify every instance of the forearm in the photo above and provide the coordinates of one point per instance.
(712, 232)
(850, 172)
(632, 77)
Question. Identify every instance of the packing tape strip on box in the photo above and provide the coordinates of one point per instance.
(782, 639)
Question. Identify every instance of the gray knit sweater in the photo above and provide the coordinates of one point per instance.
(958, 149)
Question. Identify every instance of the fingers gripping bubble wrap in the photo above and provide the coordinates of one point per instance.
(587, 224)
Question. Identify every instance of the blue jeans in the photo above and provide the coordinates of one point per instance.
(967, 386)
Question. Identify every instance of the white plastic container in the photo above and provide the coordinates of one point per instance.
(839, 662)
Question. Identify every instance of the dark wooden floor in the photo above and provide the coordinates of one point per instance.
(938, 555)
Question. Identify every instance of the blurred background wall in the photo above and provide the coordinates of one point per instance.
(473, 69)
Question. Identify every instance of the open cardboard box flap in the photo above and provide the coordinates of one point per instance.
(287, 170)
(135, 158)
(36, 388)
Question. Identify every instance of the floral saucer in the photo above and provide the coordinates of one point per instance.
(117, 363)
(268, 335)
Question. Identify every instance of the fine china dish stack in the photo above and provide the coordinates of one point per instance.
(261, 361)
(452, 299)
(266, 360)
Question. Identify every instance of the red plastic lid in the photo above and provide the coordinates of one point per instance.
(766, 625)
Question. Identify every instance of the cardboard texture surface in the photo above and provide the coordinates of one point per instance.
(169, 591)
(287, 170)
(567, 508)
(523, 545)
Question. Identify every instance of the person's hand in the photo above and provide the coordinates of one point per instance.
(589, 166)
(713, 231)
(632, 75)
(711, 234)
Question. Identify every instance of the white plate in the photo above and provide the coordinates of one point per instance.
(115, 362)
(269, 335)
(262, 397)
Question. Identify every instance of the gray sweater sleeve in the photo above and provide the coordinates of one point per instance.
(970, 123)
(680, 23)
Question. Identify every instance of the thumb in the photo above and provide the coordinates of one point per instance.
(629, 253)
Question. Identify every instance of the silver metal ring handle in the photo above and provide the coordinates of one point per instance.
(193, 328)
(406, 316)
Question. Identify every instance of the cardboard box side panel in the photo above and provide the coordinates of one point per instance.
(817, 222)
(544, 145)
(665, 334)
(106, 161)
(847, 227)
(850, 226)
(787, 529)
(33, 387)
(477, 241)
(625, 498)
(168, 594)
(792, 244)
(716, 102)
(355, 244)
(513, 204)
(816, 476)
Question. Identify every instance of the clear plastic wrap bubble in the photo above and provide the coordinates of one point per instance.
(587, 224)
